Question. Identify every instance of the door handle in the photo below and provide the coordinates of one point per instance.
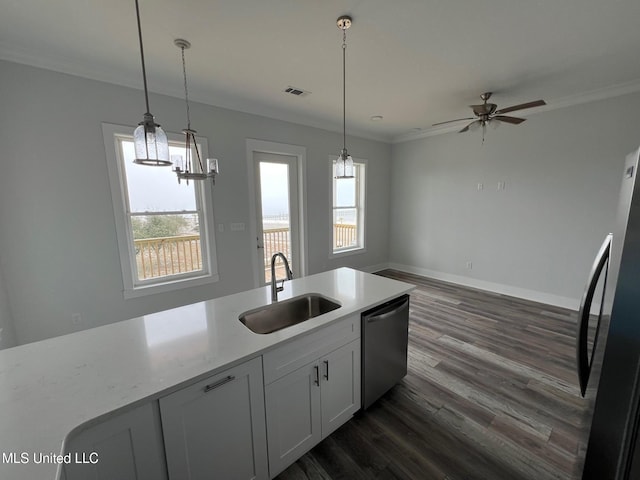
(317, 380)
(584, 361)
(326, 366)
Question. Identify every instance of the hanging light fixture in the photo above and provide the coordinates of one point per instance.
(344, 163)
(150, 141)
(190, 167)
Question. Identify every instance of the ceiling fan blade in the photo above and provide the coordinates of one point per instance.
(450, 121)
(472, 125)
(522, 106)
(512, 120)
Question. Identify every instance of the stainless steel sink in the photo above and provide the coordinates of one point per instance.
(287, 313)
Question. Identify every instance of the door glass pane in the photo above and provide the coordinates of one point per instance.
(276, 226)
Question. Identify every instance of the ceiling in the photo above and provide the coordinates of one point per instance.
(414, 62)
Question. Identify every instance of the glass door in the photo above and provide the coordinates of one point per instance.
(277, 213)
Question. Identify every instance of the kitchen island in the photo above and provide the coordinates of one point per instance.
(54, 389)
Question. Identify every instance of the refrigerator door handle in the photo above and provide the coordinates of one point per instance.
(582, 351)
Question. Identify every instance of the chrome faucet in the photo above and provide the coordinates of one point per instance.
(274, 287)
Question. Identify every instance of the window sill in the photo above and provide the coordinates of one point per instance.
(348, 252)
(169, 286)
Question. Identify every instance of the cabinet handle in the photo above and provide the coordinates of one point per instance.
(219, 383)
(317, 380)
(326, 366)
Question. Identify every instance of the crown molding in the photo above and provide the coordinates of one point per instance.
(240, 105)
(564, 102)
(237, 104)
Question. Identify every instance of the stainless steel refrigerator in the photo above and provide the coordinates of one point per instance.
(613, 347)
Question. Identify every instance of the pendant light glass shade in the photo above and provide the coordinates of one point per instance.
(151, 144)
(150, 141)
(344, 165)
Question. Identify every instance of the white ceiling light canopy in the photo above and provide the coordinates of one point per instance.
(150, 141)
(344, 163)
(186, 168)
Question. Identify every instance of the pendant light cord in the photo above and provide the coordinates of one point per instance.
(344, 90)
(186, 90)
(144, 71)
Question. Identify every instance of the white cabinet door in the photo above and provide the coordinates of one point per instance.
(215, 429)
(308, 404)
(293, 416)
(340, 386)
(127, 446)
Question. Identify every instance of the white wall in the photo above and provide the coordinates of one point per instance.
(7, 337)
(57, 234)
(535, 239)
(538, 237)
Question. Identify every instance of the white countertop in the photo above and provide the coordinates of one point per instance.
(51, 388)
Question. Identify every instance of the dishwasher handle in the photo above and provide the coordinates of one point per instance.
(387, 310)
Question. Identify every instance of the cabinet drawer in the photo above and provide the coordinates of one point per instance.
(301, 351)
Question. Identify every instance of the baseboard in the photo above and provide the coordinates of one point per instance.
(374, 268)
(524, 293)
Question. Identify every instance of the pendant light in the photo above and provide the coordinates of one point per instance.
(344, 163)
(150, 141)
(187, 168)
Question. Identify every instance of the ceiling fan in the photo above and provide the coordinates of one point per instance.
(487, 113)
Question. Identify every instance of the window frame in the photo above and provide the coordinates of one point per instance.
(360, 166)
(132, 286)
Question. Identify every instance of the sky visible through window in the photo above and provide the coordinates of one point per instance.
(154, 189)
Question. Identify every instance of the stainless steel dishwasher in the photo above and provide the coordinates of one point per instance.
(385, 334)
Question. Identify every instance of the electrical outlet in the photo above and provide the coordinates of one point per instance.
(469, 265)
(221, 227)
(480, 186)
(501, 185)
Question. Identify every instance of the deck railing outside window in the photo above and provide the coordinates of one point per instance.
(157, 257)
(344, 235)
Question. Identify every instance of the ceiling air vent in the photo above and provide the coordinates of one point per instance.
(298, 92)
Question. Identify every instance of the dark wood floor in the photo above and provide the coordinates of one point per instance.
(491, 394)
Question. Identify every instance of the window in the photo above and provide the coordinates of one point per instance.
(163, 228)
(349, 211)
